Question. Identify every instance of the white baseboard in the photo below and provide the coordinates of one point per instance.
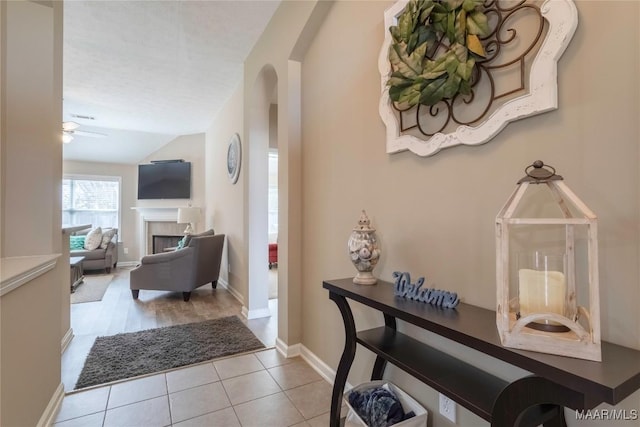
(50, 412)
(248, 314)
(287, 350)
(318, 365)
(66, 340)
(256, 314)
(128, 263)
(233, 291)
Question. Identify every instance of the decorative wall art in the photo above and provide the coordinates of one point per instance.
(458, 71)
(234, 158)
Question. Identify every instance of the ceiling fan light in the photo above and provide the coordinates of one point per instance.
(66, 137)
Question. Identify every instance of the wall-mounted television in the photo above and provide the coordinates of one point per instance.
(164, 180)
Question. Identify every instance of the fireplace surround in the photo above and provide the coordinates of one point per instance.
(157, 221)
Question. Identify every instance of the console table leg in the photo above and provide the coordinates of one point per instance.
(381, 363)
(533, 400)
(346, 360)
(378, 369)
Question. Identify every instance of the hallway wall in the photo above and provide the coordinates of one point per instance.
(435, 216)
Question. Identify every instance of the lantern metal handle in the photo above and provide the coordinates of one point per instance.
(538, 173)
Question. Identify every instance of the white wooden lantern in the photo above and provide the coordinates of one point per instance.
(547, 269)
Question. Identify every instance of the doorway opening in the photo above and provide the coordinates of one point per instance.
(272, 234)
(262, 194)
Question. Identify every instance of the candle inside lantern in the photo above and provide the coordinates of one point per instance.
(541, 291)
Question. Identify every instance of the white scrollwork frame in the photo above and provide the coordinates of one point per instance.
(562, 17)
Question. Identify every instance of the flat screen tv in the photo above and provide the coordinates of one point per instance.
(164, 180)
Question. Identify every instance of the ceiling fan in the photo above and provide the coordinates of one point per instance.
(69, 129)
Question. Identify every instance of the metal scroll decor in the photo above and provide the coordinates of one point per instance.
(431, 46)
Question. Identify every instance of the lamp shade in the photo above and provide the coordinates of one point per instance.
(188, 215)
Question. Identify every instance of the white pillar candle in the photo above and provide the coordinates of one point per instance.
(541, 291)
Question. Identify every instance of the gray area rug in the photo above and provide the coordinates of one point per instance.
(137, 353)
(92, 289)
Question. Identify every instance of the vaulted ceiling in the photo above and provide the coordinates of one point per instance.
(144, 72)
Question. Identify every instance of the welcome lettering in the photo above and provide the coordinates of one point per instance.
(404, 288)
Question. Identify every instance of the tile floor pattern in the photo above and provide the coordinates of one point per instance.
(261, 389)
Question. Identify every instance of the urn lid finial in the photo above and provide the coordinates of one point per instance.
(364, 224)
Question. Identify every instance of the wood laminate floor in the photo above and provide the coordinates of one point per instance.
(118, 312)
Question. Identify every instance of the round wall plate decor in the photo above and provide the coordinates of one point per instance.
(234, 157)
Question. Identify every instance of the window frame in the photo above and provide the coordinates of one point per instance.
(109, 178)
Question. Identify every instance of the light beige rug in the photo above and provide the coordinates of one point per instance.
(92, 289)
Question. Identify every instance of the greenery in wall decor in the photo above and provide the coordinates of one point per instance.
(435, 47)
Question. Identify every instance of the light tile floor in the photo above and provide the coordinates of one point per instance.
(261, 389)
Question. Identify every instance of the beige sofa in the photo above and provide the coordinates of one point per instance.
(101, 258)
(182, 270)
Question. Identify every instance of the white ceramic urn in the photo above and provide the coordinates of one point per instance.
(364, 251)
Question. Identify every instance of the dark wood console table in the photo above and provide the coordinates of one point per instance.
(555, 381)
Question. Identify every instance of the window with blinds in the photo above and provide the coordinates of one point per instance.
(91, 200)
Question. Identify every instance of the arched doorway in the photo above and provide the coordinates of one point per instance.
(262, 99)
(284, 89)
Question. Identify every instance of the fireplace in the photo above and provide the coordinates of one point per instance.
(157, 222)
(160, 242)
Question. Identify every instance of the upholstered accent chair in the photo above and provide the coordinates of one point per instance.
(182, 270)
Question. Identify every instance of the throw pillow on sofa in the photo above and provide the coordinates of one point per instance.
(93, 239)
(107, 235)
(76, 243)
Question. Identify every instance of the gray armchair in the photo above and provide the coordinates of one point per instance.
(182, 270)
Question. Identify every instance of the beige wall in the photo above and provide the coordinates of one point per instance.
(273, 127)
(30, 194)
(282, 47)
(435, 216)
(280, 42)
(31, 136)
(225, 205)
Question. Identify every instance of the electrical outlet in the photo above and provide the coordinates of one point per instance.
(126, 251)
(447, 408)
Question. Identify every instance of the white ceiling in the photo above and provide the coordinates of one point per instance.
(148, 71)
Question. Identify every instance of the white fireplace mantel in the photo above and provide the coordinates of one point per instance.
(157, 213)
(152, 214)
